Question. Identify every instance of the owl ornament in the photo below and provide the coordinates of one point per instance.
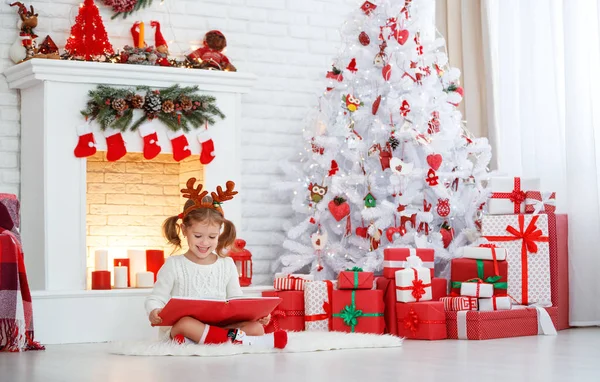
(316, 192)
(351, 102)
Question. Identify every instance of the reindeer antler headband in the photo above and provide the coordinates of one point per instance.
(197, 195)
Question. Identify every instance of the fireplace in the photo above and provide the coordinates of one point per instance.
(64, 214)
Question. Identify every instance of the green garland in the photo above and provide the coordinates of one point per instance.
(178, 108)
(140, 4)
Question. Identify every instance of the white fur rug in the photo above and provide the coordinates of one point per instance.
(297, 342)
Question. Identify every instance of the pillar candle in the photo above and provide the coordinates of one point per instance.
(155, 258)
(137, 263)
(141, 38)
(101, 260)
(123, 263)
(144, 280)
(100, 280)
(121, 276)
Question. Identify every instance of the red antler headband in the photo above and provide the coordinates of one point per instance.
(197, 195)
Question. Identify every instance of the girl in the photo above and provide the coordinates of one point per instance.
(204, 271)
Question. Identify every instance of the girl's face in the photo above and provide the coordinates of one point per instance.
(202, 238)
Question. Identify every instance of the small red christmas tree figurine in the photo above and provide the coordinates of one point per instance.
(88, 36)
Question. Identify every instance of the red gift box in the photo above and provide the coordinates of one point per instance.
(558, 231)
(394, 259)
(388, 286)
(355, 279)
(439, 288)
(421, 320)
(470, 269)
(358, 311)
(495, 324)
(289, 314)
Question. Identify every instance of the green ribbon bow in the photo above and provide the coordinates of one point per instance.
(490, 280)
(355, 270)
(350, 314)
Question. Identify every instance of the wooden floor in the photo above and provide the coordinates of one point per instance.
(572, 356)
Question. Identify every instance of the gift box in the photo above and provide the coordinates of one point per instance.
(509, 194)
(453, 304)
(439, 288)
(388, 287)
(477, 289)
(537, 201)
(525, 237)
(291, 282)
(495, 303)
(355, 278)
(495, 273)
(422, 320)
(558, 229)
(485, 252)
(358, 311)
(289, 314)
(395, 259)
(317, 306)
(500, 324)
(413, 285)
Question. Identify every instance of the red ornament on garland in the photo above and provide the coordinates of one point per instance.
(364, 39)
(339, 208)
(443, 207)
(88, 35)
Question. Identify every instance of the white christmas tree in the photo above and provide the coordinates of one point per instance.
(388, 161)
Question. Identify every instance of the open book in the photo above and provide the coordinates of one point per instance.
(218, 312)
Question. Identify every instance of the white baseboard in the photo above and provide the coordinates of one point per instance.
(69, 317)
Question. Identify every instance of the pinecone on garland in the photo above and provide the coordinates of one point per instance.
(119, 105)
(137, 101)
(168, 106)
(186, 103)
(153, 103)
(121, 6)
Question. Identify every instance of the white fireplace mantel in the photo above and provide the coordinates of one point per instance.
(53, 180)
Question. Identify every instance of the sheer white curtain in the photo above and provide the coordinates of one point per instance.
(546, 74)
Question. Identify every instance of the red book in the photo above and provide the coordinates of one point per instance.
(218, 312)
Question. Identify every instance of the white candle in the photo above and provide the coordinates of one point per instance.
(137, 263)
(101, 260)
(144, 280)
(120, 276)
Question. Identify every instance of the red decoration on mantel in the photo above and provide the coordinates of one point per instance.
(101, 280)
(88, 37)
(155, 258)
(243, 261)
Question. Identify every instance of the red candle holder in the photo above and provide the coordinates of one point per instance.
(243, 261)
(101, 280)
(155, 258)
(123, 263)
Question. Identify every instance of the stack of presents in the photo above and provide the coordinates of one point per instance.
(514, 283)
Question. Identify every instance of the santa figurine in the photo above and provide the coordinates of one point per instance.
(210, 55)
(160, 44)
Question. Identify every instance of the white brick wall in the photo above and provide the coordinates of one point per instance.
(288, 44)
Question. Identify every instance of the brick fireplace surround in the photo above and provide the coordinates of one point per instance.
(58, 189)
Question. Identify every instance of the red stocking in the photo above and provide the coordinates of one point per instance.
(151, 146)
(115, 145)
(207, 151)
(86, 146)
(181, 146)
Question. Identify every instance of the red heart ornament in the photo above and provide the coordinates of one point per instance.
(401, 36)
(339, 211)
(434, 161)
(362, 232)
(387, 72)
(376, 105)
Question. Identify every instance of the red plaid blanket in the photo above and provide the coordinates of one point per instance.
(16, 314)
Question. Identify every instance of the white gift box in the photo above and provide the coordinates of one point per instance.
(495, 303)
(412, 283)
(508, 194)
(484, 253)
(476, 290)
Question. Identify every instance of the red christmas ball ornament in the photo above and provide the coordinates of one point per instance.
(364, 39)
(443, 207)
(376, 105)
(387, 72)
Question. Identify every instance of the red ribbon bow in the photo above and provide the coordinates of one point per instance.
(411, 321)
(517, 196)
(529, 236)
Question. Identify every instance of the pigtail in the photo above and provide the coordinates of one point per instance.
(227, 237)
(171, 231)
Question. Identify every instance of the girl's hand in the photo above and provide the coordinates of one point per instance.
(265, 320)
(154, 317)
